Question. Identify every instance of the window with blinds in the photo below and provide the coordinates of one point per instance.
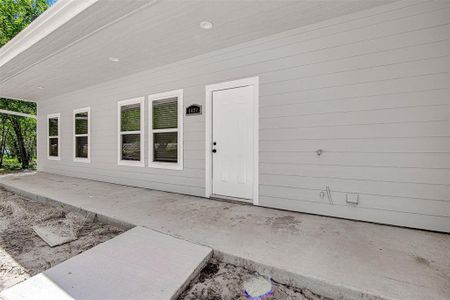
(53, 136)
(165, 130)
(81, 135)
(130, 132)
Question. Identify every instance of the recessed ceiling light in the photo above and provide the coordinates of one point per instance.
(40, 87)
(206, 25)
(114, 59)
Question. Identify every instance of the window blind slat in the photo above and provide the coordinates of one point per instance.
(165, 113)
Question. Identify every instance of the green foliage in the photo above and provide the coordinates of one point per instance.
(10, 165)
(17, 134)
(15, 15)
(131, 117)
(18, 106)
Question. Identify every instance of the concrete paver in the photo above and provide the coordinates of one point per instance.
(138, 264)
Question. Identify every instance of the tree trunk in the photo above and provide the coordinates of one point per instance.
(21, 148)
(3, 143)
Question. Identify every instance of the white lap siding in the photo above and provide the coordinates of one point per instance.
(371, 89)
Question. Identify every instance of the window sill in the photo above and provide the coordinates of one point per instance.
(53, 157)
(169, 166)
(131, 163)
(82, 160)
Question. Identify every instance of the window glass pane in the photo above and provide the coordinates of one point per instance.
(53, 147)
(165, 113)
(81, 123)
(81, 147)
(130, 117)
(165, 147)
(131, 147)
(52, 126)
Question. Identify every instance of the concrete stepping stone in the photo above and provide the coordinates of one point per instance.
(138, 264)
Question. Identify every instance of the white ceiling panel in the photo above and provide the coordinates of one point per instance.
(146, 34)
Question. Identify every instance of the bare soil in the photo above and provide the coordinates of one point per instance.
(23, 253)
(221, 281)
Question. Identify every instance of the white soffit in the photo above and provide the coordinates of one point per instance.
(75, 50)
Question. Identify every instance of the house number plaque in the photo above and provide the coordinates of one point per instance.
(194, 109)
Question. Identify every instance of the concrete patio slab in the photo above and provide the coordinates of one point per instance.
(333, 257)
(138, 264)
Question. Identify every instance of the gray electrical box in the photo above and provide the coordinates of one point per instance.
(352, 199)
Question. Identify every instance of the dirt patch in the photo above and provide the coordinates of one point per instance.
(23, 253)
(221, 281)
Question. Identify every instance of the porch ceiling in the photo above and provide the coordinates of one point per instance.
(69, 47)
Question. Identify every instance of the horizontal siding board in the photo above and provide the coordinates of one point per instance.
(429, 145)
(189, 173)
(368, 187)
(360, 62)
(144, 175)
(430, 113)
(391, 174)
(132, 181)
(396, 160)
(370, 89)
(411, 205)
(411, 84)
(412, 129)
(350, 78)
(367, 48)
(363, 103)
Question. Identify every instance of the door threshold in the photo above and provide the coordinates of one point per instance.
(231, 199)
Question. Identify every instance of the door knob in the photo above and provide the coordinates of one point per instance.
(214, 150)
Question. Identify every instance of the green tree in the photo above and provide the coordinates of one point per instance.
(18, 134)
(15, 15)
(22, 129)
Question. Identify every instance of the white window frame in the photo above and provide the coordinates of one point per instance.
(88, 135)
(120, 162)
(53, 116)
(151, 131)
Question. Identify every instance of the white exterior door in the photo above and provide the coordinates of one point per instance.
(232, 138)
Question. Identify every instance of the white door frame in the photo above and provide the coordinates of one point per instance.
(209, 89)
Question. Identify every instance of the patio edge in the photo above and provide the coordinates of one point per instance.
(67, 207)
(315, 285)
